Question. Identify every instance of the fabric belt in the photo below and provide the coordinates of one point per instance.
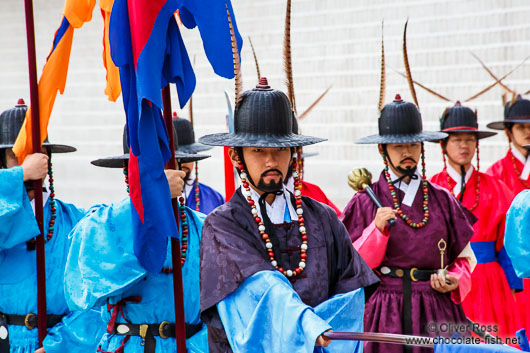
(484, 251)
(408, 275)
(149, 331)
(30, 321)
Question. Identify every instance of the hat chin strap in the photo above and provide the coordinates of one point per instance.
(239, 151)
(406, 172)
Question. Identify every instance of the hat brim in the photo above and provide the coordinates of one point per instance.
(500, 125)
(117, 161)
(252, 140)
(194, 148)
(309, 154)
(480, 133)
(52, 147)
(527, 147)
(410, 138)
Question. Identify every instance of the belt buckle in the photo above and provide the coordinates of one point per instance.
(161, 329)
(143, 332)
(27, 322)
(412, 274)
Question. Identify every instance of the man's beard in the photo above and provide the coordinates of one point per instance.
(271, 186)
(408, 171)
(188, 174)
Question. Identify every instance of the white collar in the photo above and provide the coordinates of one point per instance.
(290, 184)
(458, 178)
(45, 197)
(189, 187)
(526, 161)
(409, 189)
(276, 211)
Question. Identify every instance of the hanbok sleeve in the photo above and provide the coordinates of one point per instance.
(101, 261)
(372, 245)
(265, 314)
(80, 329)
(516, 237)
(17, 220)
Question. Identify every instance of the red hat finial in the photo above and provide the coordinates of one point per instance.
(263, 83)
(457, 104)
(175, 115)
(20, 102)
(398, 98)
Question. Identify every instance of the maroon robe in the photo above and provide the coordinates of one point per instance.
(408, 248)
(232, 250)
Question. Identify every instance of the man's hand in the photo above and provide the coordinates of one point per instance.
(383, 215)
(40, 350)
(323, 341)
(35, 166)
(440, 285)
(175, 179)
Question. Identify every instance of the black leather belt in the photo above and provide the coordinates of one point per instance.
(30, 321)
(408, 275)
(414, 274)
(149, 331)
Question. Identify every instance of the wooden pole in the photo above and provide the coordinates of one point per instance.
(180, 324)
(35, 134)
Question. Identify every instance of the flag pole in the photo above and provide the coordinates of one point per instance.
(36, 139)
(180, 324)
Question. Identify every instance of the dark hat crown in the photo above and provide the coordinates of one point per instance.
(400, 118)
(185, 133)
(520, 109)
(458, 116)
(11, 121)
(264, 111)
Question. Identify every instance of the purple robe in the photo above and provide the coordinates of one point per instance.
(232, 250)
(408, 248)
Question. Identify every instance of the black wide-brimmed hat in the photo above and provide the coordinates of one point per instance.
(186, 136)
(295, 131)
(118, 161)
(11, 122)
(518, 112)
(263, 118)
(400, 122)
(459, 118)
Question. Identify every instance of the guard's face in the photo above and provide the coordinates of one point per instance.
(11, 159)
(461, 147)
(266, 166)
(187, 168)
(521, 134)
(404, 155)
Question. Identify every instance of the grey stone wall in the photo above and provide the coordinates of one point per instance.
(334, 42)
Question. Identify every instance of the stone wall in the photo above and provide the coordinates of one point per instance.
(334, 43)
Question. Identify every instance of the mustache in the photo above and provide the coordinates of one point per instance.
(408, 159)
(271, 170)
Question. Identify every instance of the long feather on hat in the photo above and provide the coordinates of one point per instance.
(382, 87)
(314, 104)
(407, 67)
(255, 58)
(237, 61)
(287, 60)
(506, 88)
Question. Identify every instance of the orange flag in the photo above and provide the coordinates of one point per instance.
(53, 78)
(113, 89)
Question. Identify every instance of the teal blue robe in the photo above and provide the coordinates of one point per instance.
(103, 269)
(78, 332)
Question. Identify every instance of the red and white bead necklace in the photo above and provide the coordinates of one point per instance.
(261, 227)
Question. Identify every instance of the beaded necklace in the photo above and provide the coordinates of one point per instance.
(197, 199)
(425, 194)
(477, 184)
(51, 225)
(184, 225)
(261, 227)
(517, 171)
